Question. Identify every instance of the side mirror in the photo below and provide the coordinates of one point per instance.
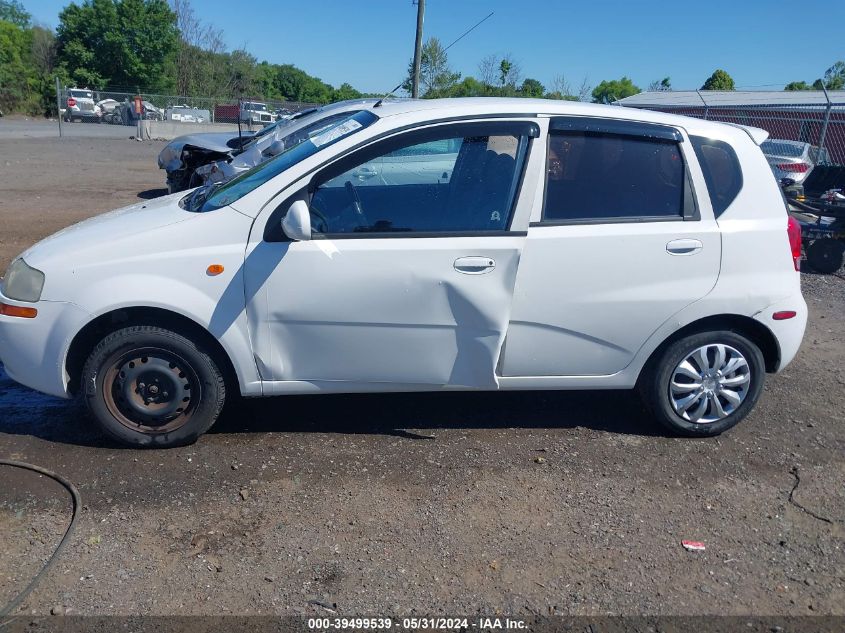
(297, 222)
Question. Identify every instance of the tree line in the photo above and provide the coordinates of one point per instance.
(150, 46)
(161, 47)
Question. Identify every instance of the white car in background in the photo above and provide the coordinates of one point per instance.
(792, 159)
(80, 106)
(572, 246)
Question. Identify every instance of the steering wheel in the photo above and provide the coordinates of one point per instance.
(356, 202)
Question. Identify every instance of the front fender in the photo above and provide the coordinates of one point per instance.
(224, 317)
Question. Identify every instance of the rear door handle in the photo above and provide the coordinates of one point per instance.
(684, 247)
(474, 265)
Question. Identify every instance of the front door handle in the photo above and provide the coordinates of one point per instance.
(474, 265)
(684, 247)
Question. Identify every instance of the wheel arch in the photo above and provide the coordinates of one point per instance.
(87, 338)
(752, 329)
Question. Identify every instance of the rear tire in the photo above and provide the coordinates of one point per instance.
(704, 384)
(826, 255)
(152, 388)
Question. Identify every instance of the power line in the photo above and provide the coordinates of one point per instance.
(465, 33)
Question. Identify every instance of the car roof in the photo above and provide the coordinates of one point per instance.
(422, 110)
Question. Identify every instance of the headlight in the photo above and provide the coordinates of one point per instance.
(22, 282)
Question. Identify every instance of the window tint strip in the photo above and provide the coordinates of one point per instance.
(611, 126)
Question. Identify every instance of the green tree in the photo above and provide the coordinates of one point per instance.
(834, 77)
(13, 11)
(719, 80)
(123, 43)
(344, 92)
(798, 85)
(532, 88)
(17, 77)
(610, 91)
(663, 85)
(436, 77)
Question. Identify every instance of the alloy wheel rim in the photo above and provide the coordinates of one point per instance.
(709, 384)
(151, 390)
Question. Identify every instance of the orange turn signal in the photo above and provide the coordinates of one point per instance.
(17, 311)
(214, 269)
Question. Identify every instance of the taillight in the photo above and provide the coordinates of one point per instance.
(793, 230)
(799, 168)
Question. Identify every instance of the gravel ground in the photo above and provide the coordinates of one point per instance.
(513, 503)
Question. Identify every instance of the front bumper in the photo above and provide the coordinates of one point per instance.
(33, 351)
(788, 332)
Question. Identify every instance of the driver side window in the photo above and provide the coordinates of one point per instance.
(435, 182)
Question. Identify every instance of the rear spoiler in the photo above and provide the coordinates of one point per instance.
(757, 134)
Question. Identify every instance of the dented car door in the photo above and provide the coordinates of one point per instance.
(406, 281)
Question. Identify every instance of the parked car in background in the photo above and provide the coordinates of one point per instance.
(255, 113)
(187, 114)
(792, 159)
(283, 113)
(80, 106)
(193, 159)
(275, 139)
(573, 246)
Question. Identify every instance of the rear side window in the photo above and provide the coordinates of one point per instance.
(597, 176)
(722, 172)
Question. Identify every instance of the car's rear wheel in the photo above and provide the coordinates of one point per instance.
(705, 383)
(151, 387)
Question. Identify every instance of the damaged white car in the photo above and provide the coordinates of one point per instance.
(488, 244)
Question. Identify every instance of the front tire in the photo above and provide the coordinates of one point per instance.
(153, 388)
(704, 384)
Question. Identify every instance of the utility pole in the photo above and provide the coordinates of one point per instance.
(415, 92)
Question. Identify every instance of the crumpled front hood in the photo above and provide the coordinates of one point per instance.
(128, 223)
(212, 141)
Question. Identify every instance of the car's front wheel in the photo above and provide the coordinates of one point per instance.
(151, 387)
(705, 383)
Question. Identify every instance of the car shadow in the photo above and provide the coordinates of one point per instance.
(409, 415)
(149, 194)
(401, 414)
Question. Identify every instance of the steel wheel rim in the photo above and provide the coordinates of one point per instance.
(709, 384)
(151, 390)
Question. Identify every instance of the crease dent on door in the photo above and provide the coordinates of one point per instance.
(415, 321)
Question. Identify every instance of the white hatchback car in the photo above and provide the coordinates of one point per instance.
(429, 245)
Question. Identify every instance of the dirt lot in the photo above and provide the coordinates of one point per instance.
(522, 504)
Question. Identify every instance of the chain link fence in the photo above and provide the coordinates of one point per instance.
(813, 117)
(117, 107)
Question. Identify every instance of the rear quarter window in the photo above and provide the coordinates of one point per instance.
(722, 172)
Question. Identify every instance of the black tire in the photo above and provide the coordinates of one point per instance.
(654, 385)
(152, 388)
(826, 255)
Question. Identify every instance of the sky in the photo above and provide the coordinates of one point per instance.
(763, 44)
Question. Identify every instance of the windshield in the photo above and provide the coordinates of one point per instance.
(258, 107)
(773, 148)
(209, 198)
(80, 94)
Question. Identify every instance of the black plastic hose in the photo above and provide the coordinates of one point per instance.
(77, 505)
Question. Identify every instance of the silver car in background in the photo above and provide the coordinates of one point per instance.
(792, 159)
